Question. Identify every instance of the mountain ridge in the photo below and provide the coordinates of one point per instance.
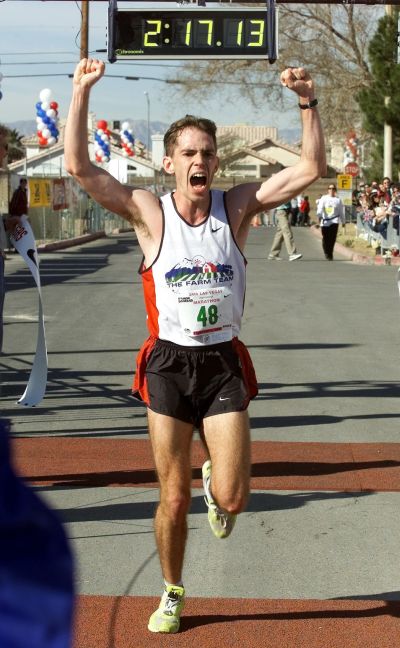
(139, 128)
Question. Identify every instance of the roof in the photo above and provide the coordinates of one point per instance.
(57, 149)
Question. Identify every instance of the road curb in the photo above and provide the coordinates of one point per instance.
(356, 257)
(66, 243)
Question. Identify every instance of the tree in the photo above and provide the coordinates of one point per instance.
(385, 82)
(16, 150)
(331, 41)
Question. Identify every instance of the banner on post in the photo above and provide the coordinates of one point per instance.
(39, 193)
(60, 200)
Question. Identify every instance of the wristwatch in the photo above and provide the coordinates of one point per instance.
(310, 104)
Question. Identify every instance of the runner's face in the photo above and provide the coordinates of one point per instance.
(194, 162)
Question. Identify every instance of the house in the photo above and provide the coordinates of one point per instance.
(253, 151)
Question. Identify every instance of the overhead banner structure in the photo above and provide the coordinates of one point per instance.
(24, 241)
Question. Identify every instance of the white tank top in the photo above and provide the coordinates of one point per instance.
(194, 290)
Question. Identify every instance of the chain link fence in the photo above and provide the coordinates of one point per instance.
(70, 214)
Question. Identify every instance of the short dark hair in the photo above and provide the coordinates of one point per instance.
(189, 121)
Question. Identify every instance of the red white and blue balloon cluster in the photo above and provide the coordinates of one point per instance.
(102, 142)
(127, 140)
(47, 118)
(1, 94)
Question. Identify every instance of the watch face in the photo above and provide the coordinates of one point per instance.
(187, 33)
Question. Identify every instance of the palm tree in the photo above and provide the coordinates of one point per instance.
(16, 149)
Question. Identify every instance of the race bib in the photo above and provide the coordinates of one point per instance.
(207, 313)
(329, 210)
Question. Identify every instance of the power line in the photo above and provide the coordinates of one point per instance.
(30, 53)
(74, 63)
(121, 76)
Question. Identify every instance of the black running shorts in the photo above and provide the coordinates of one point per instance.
(192, 383)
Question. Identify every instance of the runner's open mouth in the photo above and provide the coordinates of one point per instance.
(198, 180)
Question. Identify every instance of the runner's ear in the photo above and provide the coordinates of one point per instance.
(168, 165)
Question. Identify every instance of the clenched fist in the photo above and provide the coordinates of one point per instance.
(298, 80)
(88, 72)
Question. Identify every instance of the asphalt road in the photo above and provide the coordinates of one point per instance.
(322, 522)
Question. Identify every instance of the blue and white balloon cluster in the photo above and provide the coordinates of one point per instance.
(102, 142)
(127, 140)
(47, 119)
(1, 94)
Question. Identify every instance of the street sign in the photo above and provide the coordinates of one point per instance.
(345, 197)
(345, 182)
(352, 169)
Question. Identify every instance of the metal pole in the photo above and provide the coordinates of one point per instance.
(148, 123)
(387, 130)
(84, 29)
(387, 147)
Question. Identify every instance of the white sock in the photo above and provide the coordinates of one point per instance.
(167, 584)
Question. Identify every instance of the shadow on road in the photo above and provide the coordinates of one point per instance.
(70, 265)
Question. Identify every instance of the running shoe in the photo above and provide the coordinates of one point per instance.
(221, 522)
(167, 617)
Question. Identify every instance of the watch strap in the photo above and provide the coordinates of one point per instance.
(310, 104)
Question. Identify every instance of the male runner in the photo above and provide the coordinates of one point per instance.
(192, 370)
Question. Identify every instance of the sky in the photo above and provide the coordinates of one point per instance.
(42, 38)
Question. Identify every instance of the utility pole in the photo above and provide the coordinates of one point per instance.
(84, 29)
(387, 130)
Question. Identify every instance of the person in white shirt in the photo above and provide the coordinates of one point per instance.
(330, 212)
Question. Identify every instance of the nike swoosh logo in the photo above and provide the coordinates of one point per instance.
(31, 255)
(222, 399)
(216, 229)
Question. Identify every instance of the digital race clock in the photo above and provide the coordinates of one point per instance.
(190, 33)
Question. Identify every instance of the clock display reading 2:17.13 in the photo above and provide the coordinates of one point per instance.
(191, 34)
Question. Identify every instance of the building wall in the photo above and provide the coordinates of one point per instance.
(248, 133)
(3, 193)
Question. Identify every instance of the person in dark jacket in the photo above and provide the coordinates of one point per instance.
(18, 205)
(19, 201)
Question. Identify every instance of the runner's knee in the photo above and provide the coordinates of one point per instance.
(175, 505)
(231, 500)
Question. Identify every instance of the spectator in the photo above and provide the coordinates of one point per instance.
(19, 202)
(377, 206)
(331, 212)
(387, 189)
(394, 207)
(36, 565)
(367, 189)
(304, 213)
(283, 233)
(294, 211)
